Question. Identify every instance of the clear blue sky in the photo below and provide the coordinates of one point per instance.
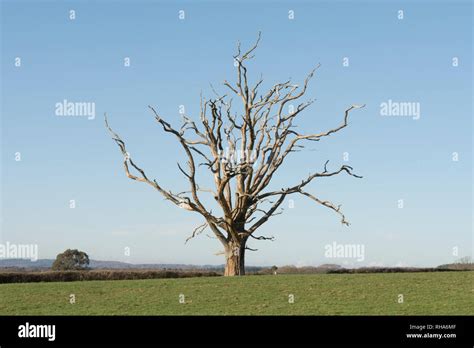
(172, 60)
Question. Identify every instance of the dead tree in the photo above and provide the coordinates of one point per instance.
(242, 152)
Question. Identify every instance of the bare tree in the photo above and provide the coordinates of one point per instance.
(242, 152)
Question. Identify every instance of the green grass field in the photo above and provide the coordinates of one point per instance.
(434, 293)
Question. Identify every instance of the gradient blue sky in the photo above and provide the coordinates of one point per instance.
(173, 60)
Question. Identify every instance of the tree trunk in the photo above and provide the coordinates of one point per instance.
(235, 259)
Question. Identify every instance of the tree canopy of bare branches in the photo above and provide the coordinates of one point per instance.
(242, 152)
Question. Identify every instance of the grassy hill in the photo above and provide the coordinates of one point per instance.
(319, 294)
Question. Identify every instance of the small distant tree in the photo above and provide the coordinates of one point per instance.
(274, 269)
(71, 259)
